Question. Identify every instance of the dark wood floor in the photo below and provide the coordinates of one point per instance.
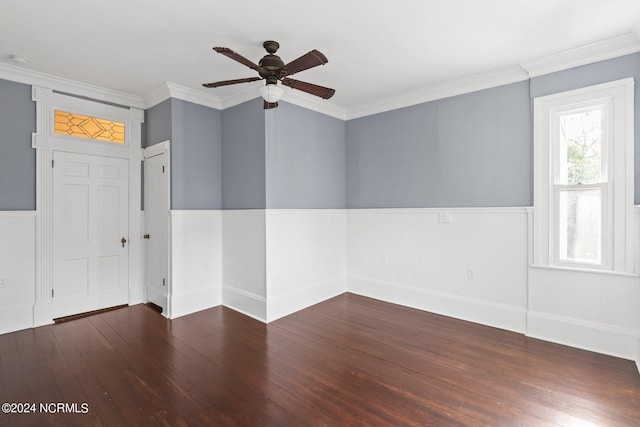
(348, 361)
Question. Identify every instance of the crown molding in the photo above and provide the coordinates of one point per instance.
(193, 95)
(156, 96)
(313, 103)
(469, 84)
(61, 84)
(594, 52)
(247, 92)
(599, 51)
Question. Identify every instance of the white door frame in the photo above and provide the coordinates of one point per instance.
(45, 142)
(152, 151)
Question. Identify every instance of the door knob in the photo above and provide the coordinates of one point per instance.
(123, 241)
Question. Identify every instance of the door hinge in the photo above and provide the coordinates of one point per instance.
(52, 162)
(162, 168)
(52, 293)
(163, 281)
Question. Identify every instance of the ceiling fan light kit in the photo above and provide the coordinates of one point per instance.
(271, 92)
(272, 69)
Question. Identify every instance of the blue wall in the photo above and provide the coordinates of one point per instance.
(17, 158)
(196, 152)
(243, 156)
(470, 150)
(157, 124)
(195, 133)
(305, 159)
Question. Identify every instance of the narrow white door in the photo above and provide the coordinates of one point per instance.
(156, 220)
(90, 233)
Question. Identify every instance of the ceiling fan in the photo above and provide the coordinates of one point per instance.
(272, 69)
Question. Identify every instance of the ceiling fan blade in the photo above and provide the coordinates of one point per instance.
(321, 91)
(231, 82)
(306, 61)
(270, 105)
(237, 57)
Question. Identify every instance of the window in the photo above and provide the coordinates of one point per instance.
(579, 152)
(78, 125)
(583, 183)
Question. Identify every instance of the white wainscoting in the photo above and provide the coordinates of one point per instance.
(17, 269)
(196, 261)
(306, 258)
(593, 311)
(468, 263)
(596, 311)
(244, 262)
(637, 270)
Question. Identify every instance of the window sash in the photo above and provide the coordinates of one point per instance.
(605, 226)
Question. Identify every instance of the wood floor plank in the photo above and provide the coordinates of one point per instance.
(347, 361)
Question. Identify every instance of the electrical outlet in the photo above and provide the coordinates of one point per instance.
(4, 282)
(471, 274)
(383, 261)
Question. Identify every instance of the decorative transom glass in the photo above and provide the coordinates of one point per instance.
(72, 124)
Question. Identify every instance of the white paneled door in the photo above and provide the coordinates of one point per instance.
(156, 211)
(90, 232)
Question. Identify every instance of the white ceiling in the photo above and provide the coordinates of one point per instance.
(376, 48)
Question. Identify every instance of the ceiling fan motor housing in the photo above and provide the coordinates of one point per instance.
(273, 66)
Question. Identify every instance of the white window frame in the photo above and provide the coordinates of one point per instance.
(616, 192)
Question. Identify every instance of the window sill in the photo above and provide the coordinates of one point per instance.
(585, 270)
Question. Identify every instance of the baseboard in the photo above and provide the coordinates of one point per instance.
(591, 336)
(638, 354)
(245, 302)
(488, 313)
(191, 301)
(136, 295)
(304, 296)
(16, 318)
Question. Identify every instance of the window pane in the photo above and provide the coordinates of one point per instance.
(88, 127)
(580, 226)
(581, 147)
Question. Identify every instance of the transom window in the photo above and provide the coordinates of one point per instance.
(78, 125)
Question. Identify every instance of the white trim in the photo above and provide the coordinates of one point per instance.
(157, 149)
(272, 211)
(602, 50)
(16, 318)
(61, 84)
(436, 211)
(448, 89)
(8, 214)
(314, 103)
(585, 270)
(46, 142)
(247, 303)
(200, 212)
(246, 92)
(297, 299)
(592, 336)
(599, 51)
(193, 300)
(511, 318)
